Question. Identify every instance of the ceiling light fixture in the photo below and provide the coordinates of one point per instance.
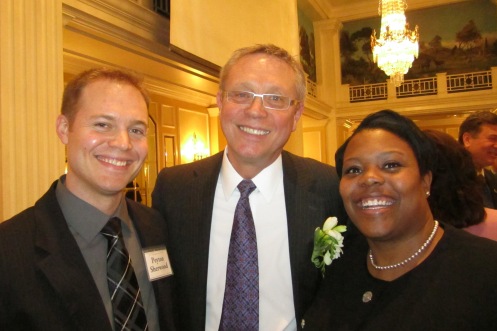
(397, 46)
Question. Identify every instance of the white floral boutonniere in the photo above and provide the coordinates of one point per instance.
(328, 243)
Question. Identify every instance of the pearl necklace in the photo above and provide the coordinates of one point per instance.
(403, 263)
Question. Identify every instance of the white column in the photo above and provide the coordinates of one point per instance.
(327, 35)
(31, 77)
(494, 78)
(442, 84)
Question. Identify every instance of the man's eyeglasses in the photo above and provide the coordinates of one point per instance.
(269, 101)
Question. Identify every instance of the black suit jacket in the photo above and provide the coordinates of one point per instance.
(185, 197)
(45, 283)
(491, 190)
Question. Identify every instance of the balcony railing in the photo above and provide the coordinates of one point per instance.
(417, 87)
(162, 7)
(312, 89)
(469, 82)
(442, 83)
(368, 92)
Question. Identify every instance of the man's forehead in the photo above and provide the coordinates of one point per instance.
(489, 129)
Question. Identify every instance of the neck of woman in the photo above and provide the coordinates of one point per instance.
(388, 260)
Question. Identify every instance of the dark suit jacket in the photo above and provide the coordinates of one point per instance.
(185, 196)
(491, 182)
(45, 283)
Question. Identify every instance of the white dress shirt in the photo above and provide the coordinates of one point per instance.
(267, 202)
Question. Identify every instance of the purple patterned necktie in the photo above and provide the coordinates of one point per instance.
(241, 294)
(127, 305)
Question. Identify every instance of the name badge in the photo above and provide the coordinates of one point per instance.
(157, 262)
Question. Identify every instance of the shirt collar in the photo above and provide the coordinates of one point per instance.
(84, 218)
(266, 181)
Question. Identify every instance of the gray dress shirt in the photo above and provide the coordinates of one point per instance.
(85, 223)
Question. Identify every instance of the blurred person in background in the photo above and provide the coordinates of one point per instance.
(456, 196)
(478, 134)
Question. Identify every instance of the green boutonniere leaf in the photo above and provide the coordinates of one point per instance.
(328, 243)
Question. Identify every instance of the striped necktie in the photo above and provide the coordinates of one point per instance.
(127, 305)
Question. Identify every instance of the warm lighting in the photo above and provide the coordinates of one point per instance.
(145, 169)
(397, 46)
(348, 124)
(194, 149)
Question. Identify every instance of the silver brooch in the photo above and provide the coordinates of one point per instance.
(367, 296)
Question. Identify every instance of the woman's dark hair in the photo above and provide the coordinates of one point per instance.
(455, 191)
(402, 127)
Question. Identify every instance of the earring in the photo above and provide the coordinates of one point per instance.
(427, 194)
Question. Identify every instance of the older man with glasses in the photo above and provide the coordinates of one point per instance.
(243, 259)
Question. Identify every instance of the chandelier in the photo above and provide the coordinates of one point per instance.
(397, 46)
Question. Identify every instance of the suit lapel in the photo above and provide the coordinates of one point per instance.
(187, 198)
(151, 234)
(203, 188)
(491, 183)
(294, 213)
(305, 209)
(63, 265)
(148, 235)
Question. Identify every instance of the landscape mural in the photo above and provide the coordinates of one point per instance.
(454, 39)
(307, 46)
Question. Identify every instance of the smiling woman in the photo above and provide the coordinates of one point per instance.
(402, 269)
